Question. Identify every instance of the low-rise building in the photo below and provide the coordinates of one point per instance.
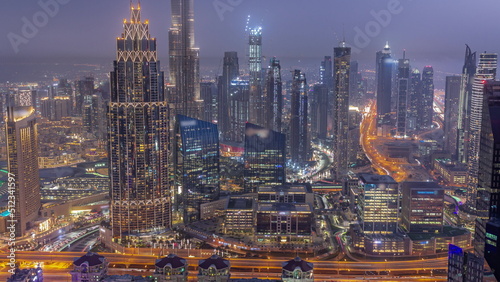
(27, 275)
(297, 270)
(453, 174)
(171, 268)
(214, 269)
(91, 267)
(240, 215)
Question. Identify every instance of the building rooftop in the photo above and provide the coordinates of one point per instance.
(448, 231)
(89, 258)
(284, 207)
(288, 188)
(174, 261)
(240, 204)
(214, 260)
(368, 178)
(297, 262)
(426, 185)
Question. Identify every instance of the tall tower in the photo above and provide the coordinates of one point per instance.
(486, 70)
(138, 131)
(468, 72)
(426, 104)
(274, 103)
(22, 153)
(255, 64)
(415, 96)
(452, 99)
(231, 71)
(184, 60)
(341, 71)
(384, 66)
(403, 88)
(299, 137)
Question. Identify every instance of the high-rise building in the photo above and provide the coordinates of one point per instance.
(422, 207)
(62, 107)
(451, 105)
(378, 204)
(464, 266)
(488, 189)
(255, 63)
(353, 146)
(341, 71)
(90, 267)
(403, 89)
(83, 88)
(197, 163)
(184, 60)
(426, 107)
(299, 137)
(486, 70)
(326, 72)
(415, 96)
(274, 94)
(464, 105)
(209, 95)
(22, 155)
(138, 132)
(238, 110)
(265, 157)
(318, 106)
(384, 73)
(492, 246)
(230, 72)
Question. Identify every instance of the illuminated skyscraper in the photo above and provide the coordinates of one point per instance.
(238, 110)
(464, 266)
(83, 88)
(422, 207)
(488, 189)
(230, 72)
(299, 137)
(464, 107)
(196, 158)
(486, 70)
(255, 63)
(22, 154)
(426, 107)
(403, 93)
(452, 99)
(209, 95)
(326, 72)
(384, 67)
(184, 60)
(265, 157)
(341, 71)
(319, 111)
(274, 93)
(138, 132)
(415, 96)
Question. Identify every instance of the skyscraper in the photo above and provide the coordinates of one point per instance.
(299, 137)
(255, 64)
(341, 71)
(231, 71)
(426, 107)
(138, 131)
(22, 154)
(486, 70)
(209, 95)
(452, 99)
(422, 207)
(464, 266)
(239, 93)
(326, 72)
(403, 89)
(318, 106)
(197, 164)
(184, 60)
(488, 189)
(464, 106)
(274, 94)
(384, 66)
(83, 88)
(415, 96)
(265, 157)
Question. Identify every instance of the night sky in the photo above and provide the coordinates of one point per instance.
(432, 32)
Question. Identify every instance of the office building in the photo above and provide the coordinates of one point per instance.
(213, 269)
(22, 156)
(286, 193)
(171, 268)
(83, 88)
(451, 106)
(319, 111)
(138, 132)
(184, 61)
(27, 275)
(378, 203)
(274, 93)
(197, 163)
(486, 71)
(415, 96)
(94, 116)
(240, 215)
(464, 105)
(90, 267)
(403, 82)
(299, 129)
(354, 146)
(265, 157)
(257, 100)
(464, 266)
(297, 270)
(492, 246)
(239, 92)
(422, 207)
(426, 107)
(384, 73)
(209, 95)
(341, 71)
(230, 72)
(488, 189)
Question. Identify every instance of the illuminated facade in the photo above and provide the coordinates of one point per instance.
(384, 70)
(238, 110)
(138, 135)
(22, 154)
(184, 60)
(451, 108)
(299, 137)
(230, 72)
(486, 71)
(403, 93)
(426, 107)
(341, 71)
(264, 157)
(215, 269)
(171, 268)
(240, 215)
(255, 63)
(422, 207)
(464, 266)
(414, 101)
(492, 245)
(297, 270)
(274, 94)
(319, 111)
(378, 204)
(196, 158)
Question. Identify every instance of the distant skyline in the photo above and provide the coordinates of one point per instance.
(433, 33)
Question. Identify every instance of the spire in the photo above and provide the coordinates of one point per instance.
(387, 45)
(135, 12)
